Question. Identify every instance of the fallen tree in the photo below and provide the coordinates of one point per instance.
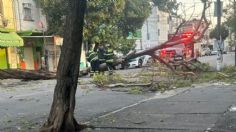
(26, 74)
(195, 37)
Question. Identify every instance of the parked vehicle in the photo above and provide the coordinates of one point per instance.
(147, 60)
(214, 52)
(224, 52)
(136, 62)
(206, 52)
(173, 54)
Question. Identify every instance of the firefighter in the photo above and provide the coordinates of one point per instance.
(109, 55)
(92, 57)
(101, 54)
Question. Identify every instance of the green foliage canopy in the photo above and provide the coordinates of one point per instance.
(230, 15)
(224, 33)
(106, 21)
(169, 6)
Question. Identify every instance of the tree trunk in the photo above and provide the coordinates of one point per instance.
(61, 117)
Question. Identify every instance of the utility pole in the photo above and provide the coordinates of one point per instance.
(219, 39)
(45, 53)
(234, 42)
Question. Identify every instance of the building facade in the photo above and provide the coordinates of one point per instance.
(154, 30)
(9, 39)
(31, 25)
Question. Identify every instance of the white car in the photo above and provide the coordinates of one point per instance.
(136, 62)
(206, 52)
(147, 60)
(214, 52)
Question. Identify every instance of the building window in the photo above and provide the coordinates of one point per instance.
(27, 7)
(159, 32)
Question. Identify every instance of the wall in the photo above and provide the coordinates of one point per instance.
(150, 30)
(36, 13)
(154, 30)
(13, 58)
(8, 13)
(163, 26)
(174, 23)
(35, 23)
(3, 60)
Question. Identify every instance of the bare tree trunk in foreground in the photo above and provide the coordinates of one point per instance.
(61, 117)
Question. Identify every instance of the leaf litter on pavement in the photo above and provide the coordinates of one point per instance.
(158, 77)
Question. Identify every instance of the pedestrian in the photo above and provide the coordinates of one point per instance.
(109, 55)
(92, 57)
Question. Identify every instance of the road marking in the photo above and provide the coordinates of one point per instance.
(158, 95)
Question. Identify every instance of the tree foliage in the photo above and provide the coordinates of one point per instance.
(55, 11)
(231, 22)
(106, 21)
(224, 32)
(170, 6)
(230, 16)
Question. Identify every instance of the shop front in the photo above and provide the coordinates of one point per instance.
(9, 41)
(3, 58)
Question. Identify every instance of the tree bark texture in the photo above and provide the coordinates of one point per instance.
(61, 117)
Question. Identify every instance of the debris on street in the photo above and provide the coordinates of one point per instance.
(26, 74)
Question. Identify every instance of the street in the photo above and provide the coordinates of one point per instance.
(228, 59)
(24, 106)
(24, 102)
(117, 66)
(199, 109)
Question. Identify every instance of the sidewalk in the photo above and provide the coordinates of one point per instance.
(194, 110)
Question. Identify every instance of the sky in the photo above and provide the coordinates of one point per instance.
(192, 9)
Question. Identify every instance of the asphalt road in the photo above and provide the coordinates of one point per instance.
(228, 59)
(23, 103)
(199, 109)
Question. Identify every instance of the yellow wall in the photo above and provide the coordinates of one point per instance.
(12, 57)
(8, 13)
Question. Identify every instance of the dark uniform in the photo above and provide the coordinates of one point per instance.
(92, 57)
(101, 55)
(109, 55)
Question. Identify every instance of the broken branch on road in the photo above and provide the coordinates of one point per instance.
(26, 74)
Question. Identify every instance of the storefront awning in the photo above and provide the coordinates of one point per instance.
(10, 40)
